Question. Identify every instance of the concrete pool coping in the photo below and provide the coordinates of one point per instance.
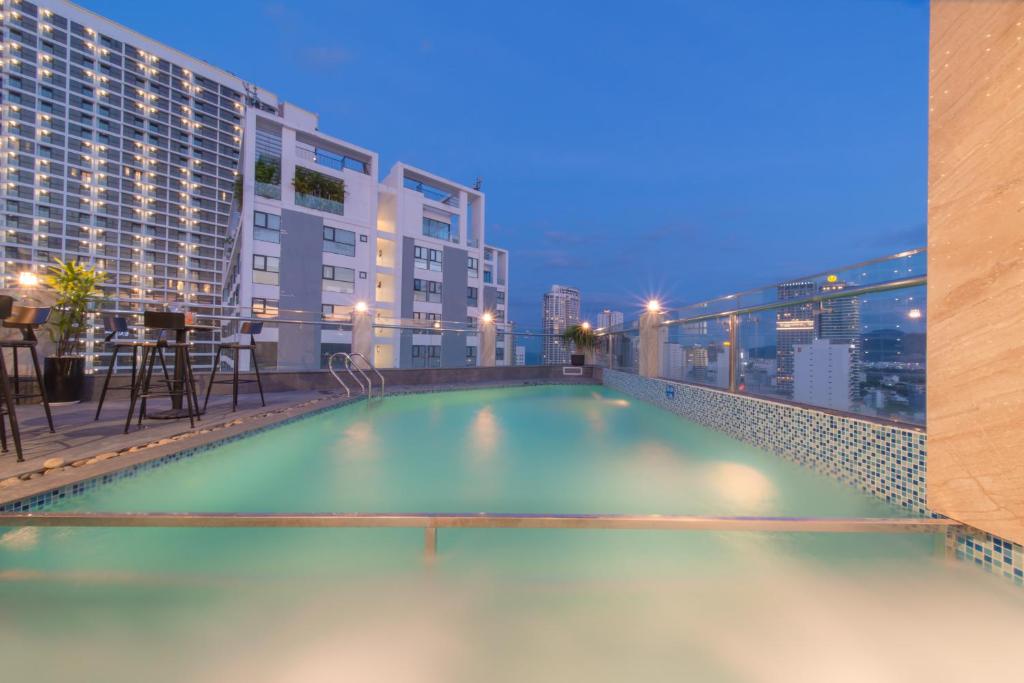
(32, 485)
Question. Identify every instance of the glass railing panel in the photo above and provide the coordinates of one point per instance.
(897, 267)
(268, 190)
(319, 203)
(697, 352)
(862, 355)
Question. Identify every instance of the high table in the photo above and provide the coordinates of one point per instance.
(177, 409)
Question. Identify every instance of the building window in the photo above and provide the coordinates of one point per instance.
(500, 297)
(470, 356)
(338, 241)
(472, 296)
(499, 353)
(266, 227)
(474, 266)
(428, 259)
(265, 269)
(426, 290)
(338, 279)
(437, 229)
(424, 356)
(264, 308)
(488, 276)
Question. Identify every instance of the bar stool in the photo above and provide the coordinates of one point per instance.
(116, 328)
(27, 319)
(251, 329)
(183, 381)
(7, 408)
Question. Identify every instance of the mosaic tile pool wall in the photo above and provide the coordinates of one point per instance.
(885, 461)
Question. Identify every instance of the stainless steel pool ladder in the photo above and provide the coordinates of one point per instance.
(370, 366)
(350, 366)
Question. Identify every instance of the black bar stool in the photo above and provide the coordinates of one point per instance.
(7, 408)
(117, 330)
(183, 381)
(251, 329)
(27, 319)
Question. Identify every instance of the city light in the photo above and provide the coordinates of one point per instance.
(361, 307)
(585, 325)
(914, 313)
(487, 318)
(653, 306)
(28, 279)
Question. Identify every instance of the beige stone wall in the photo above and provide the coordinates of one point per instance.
(976, 264)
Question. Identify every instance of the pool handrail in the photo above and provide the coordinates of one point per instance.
(431, 522)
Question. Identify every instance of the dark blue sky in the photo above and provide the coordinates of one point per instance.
(688, 149)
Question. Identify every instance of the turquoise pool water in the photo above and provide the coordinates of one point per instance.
(352, 604)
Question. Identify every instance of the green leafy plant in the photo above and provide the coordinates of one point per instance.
(581, 336)
(76, 286)
(268, 170)
(318, 185)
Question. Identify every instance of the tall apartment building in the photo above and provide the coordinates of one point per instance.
(188, 186)
(793, 325)
(118, 151)
(561, 310)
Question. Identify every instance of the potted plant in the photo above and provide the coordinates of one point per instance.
(583, 339)
(76, 286)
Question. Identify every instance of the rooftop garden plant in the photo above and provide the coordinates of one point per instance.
(318, 185)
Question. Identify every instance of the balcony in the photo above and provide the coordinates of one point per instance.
(337, 162)
(318, 191)
(319, 203)
(432, 192)
(268, 190)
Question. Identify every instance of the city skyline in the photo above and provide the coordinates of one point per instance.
(574, 169)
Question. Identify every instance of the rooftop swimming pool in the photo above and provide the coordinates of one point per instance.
(498, 604)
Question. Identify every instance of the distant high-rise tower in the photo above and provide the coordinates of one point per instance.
(839, 324)
(609, 318)
(793, 325)
(561, 311)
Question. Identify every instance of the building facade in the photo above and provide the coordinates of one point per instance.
(190, 188)
(118, 151)
(609, 319)
(561, 310)
(793, 325)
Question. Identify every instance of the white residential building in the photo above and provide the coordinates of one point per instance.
(444, 276)
(561, 310)
(822, 372)
(305, 248)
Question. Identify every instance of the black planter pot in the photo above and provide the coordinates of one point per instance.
(64, 379)
(578, 359)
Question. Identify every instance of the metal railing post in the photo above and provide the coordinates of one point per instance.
(734, 352)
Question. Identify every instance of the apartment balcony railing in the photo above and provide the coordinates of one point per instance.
(319, 203)
(268, 190)
(850, 340)
(338, 162)
(431, 192)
